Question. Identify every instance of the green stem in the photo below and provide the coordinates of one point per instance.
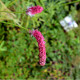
(12, 12)
(71, 2)
(18, 25)
(27, 23)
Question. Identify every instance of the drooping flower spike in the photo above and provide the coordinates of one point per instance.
(31, 11)
(41, 43)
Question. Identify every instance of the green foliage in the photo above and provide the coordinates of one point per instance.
(19, 51)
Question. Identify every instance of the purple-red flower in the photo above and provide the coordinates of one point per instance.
(41, 43)
(34, 10)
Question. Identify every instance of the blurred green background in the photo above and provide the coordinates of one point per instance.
(19, 50)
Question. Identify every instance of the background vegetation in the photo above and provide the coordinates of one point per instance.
(19, 51)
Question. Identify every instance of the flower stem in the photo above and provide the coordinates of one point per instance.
(71, 2)
(18, 25)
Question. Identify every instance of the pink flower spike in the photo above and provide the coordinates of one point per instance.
(34, 10)
(41, 43)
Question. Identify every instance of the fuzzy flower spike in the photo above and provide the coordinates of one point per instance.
(41, 43)
(31, 11)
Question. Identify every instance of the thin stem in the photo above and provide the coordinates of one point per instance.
(18, 25)
(12, 12)
(71, 2)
